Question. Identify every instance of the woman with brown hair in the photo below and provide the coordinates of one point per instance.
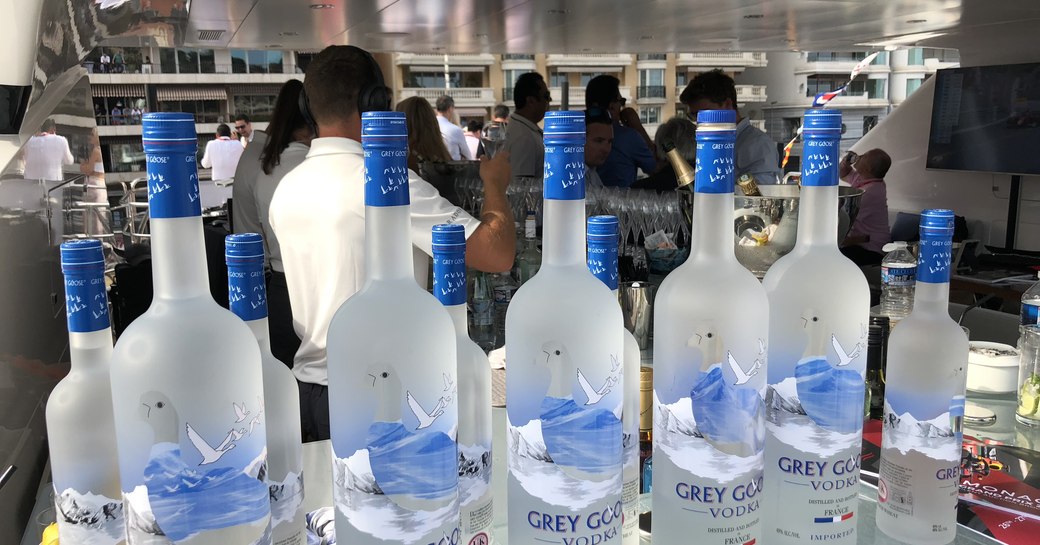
(425, 142)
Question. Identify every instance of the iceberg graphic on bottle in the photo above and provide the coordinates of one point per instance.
(824, 388)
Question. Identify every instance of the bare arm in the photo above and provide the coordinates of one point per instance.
(492, 246)
(630, 118)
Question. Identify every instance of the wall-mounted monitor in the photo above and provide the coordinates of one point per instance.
(986, 119)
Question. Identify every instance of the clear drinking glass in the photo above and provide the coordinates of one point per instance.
(1028, 411)
(493, 135)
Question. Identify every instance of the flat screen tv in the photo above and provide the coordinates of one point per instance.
(986, 119)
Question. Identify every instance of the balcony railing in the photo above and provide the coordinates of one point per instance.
(651, 56)
(751, 93)
(437, 59)
(464, 96)
(588, 59)
(722, 58)
(507, 94)
(517, 57)
(650, 91)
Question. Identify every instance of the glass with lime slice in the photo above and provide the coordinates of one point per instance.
(1028, 411)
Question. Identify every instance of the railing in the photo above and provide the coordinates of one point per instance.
(517, 57)
(751, 93)
(726, 58)
(651, 91)
(157, 69)
(507, 94)
(651, 56)
(459, 93)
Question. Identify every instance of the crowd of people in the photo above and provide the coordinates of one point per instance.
(116, 64)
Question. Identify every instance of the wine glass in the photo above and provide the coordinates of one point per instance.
(493, 136)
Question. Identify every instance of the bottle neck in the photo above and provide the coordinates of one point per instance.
(388, 243)
(459, 318)
(932, 298)
(90, 351)
(713, 226)
(818, 216)
(179, 258)
(261, 332)
(563, 243)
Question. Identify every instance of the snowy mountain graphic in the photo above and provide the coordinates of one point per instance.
(90, 518)
(934, 438)
(686, 447)
(787, 421)
(474, 473)
(286, 498)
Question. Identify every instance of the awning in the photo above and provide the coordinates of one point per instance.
(124, 90)
(169, 93)
(254, 89)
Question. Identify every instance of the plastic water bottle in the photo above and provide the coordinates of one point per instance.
(1031, 304)
(924, 403)
(898, 275)
(247, 295)
(711, 321)
(80, 428)
(603, 264)
(564, 383)
(819, 306)
(474, 372)
(482, 313)
(503, 286)
(392, 374)
(530, 257)
(187, 383)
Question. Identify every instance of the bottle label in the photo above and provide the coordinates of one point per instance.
(173, 186)
(386, 177)
(475, 494)
(86, 302)
(449, 278)
(933, 261)
(86, 517)
(287, 517)
(714, 170)
(814, 421)
(820, 161)
(247, 292)
(898, 276)
(1030, 314)
(602, 262)
(530, 229)
(564, 174)
(709, 435)
(395, 465)
(920, 465)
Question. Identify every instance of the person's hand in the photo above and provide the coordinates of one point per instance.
(630, 118)
(495, 172)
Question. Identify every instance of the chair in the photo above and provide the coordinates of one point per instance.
(987, 325)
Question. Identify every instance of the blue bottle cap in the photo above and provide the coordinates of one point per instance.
(564, 122)
(244, 248)
(936, 223)
(384, 137)
(602, 230)
(385, 124)
(716, 116)
(820, 119)
(81, 255)
(163, 129)
(449, 238)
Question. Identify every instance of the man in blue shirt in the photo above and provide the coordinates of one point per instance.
(632, 148)
(755, 153)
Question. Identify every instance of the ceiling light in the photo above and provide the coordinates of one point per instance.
(322, 6)
(288, 33)
(480, 36)
(274, 46)
(754, 16)
(558, 11)
(647, 37)
(717, 40)
(586, 49)
(916, 21)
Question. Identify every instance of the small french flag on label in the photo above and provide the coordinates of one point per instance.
(752, 542)
(827, 520)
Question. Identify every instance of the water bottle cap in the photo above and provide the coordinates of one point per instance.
(716, 116)
(564, 122)
(244, 248)
(384, 124)
(168, 129)
(82, 254)
(937, 223)
(892, 246)
(819, 119)
(603, 229)
(449, 237)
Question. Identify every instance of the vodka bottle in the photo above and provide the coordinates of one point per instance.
(603, 264)
(530, 257)
(924, 402)
(392, 374)
(712, 323)
(80, 429)
(564, 397)
(187, 384)
(247, 294)
(898, 272)
(482, 313)
(474, 372)
(819, 305)
(1031, 304)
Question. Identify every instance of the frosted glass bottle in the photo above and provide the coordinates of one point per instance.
(711, 327)
(247, 294)
(924, 402)
(474, 372)
(186, 378)
(530, 257)
(564, 389)
(392, 374)
(81, 432)
(819, 306)
(603, 237)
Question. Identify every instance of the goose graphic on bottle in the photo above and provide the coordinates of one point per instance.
(405, 480)
(223, 496)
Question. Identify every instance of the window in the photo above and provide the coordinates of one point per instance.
(168, 61)
(239, 63)
(586, 77)
(123, 157)
(877, 88)
(187, 61)
(915, 56)
(302, 61)
(681, 79)
(104, 113)
(881, 59)
(257, 107)
(651, 83)
(791, 125)
(256, 61)
(650, 114)
(869, 122)
(517, 57)
(912, 84)
(557, 79)
(205, 111)
(651, 57)
(815, 85)
(435, 80)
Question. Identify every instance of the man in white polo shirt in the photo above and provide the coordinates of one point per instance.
(45, 154)
(454, 138)
(318, 215)
(222, 154)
